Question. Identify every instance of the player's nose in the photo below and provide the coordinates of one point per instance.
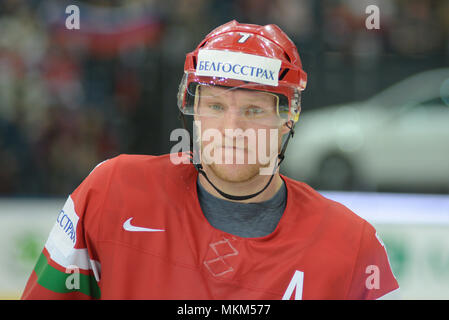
(232, 119)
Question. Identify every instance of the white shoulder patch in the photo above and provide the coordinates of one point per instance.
(61, 242)
(63, 234)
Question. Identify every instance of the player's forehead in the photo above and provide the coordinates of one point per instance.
(210, 92)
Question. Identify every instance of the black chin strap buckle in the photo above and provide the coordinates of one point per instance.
(281, 158)
(291, 125)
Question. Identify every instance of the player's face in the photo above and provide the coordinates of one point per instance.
(239, 133)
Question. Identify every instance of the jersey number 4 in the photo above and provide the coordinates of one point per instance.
(296, 285)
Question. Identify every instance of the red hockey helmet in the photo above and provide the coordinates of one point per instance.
(246, 56)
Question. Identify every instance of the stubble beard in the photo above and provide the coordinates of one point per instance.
(235, 172)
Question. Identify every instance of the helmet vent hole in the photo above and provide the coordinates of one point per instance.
(283, 73)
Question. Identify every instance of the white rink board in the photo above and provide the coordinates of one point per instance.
(24, 228)
(415, 230)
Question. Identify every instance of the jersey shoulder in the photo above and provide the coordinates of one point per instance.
(309, 200)
(343, 240)
(331, 226)
(134, 169)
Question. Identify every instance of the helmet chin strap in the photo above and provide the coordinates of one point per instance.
(280, 157)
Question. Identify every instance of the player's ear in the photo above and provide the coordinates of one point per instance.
(286, 127)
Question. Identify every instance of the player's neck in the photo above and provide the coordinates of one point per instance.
(242, 188)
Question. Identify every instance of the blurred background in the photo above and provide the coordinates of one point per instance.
(373, 134)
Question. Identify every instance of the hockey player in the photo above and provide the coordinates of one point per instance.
(221, 222)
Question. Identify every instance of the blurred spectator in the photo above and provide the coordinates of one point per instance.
(14, 158)
(416, 29)
(70, 99)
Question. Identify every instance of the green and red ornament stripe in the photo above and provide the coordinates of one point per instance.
(53, 279)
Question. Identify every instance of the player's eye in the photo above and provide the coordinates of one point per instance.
(212, 109)
(216, 107)
(254, 111)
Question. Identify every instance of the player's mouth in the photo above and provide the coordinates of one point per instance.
(233, 148)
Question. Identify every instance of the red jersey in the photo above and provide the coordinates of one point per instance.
(134, 229)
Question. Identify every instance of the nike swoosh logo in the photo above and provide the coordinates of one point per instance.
(128, 227)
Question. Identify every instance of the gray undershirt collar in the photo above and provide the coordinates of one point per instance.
(248, 220)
